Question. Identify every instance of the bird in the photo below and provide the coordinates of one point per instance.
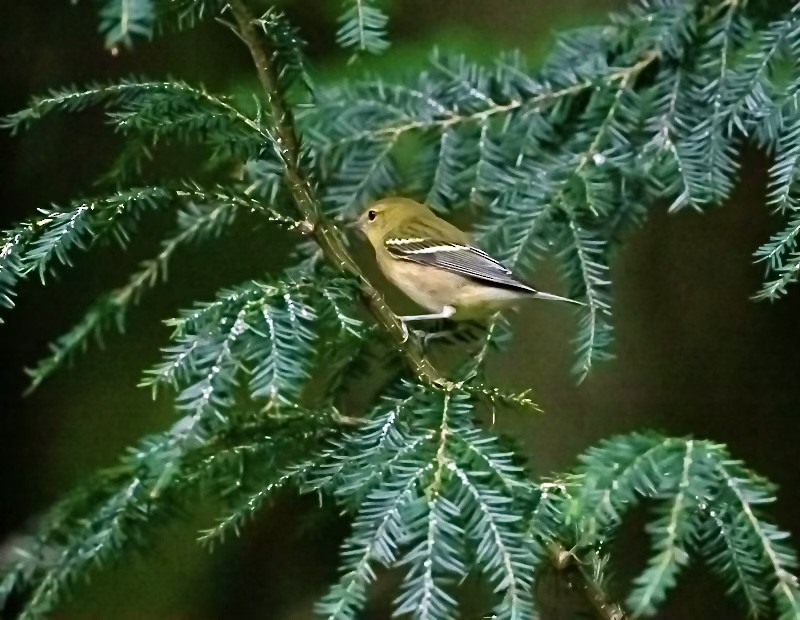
(435, 264)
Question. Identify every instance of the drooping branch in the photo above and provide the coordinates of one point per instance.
(330, 241)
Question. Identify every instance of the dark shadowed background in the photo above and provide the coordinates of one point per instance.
(694, 354)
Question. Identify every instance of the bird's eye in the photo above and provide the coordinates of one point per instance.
(371, 215)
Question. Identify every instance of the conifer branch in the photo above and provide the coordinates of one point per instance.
(325, 233)
(785, 589)
(329, 239)
(564, 159)
(450, 119)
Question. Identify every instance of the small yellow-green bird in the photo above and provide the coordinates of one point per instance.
(434, 263)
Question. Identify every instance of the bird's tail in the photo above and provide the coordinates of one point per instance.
(551, 297)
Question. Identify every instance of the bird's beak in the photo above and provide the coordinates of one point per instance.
(354, 225)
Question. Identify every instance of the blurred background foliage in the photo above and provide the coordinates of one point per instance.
(694, 353)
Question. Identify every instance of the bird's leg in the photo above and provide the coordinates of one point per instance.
(405, 331)
(446, 313)
(426, 337)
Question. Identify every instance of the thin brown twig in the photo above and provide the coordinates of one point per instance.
(330, 241)
(570, 569)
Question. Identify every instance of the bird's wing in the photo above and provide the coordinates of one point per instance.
(460, 258)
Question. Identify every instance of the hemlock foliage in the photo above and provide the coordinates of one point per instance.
(566, 159)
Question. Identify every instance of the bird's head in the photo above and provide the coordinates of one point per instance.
(386, 215)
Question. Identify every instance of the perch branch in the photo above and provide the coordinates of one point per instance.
(325, 233)
(330, 241)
